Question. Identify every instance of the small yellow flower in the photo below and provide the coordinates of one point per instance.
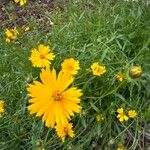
(132, 113)
(70, 66)
(135, 71)
(64, 130)
(121, 115)
(100, 117)
(21, 2)
(97, 69)
(27, 28)
(84, 113)
(41, 56)
(1, 107)
(120, 77)
(121, 147)
(7, 40)
(40, 148)
(11, 34)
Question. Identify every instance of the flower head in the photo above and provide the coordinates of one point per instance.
(97, 69)
(135, 71)
(100, 117)
(70, 66)
(7, 40)
(121, 115)
(132, 113)
(120, 77)
(1, 107)
(41, 56)
(53, 99)
(120, 147)
(84, 113)
(64, 130)
(11, 34)
(21, 2)
(27, 28)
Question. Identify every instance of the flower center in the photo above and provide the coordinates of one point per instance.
(42, 56)
(57, 96)
(70, 67)
(66, 130)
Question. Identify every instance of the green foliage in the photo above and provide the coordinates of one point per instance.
(114, 33)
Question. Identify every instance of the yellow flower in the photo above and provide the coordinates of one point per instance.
(100, 117)
(97, 69)
(21, 2)
(70, 66)
(7, 40)
(40, 148)
(64, 130)
(135, 71)
(27, 28)
(121, 115)
(84, 113)
(11, 34)
(1, 107)
(41, 56)
(53, 99)
(120, 77)
(121, 147)
(132, 113)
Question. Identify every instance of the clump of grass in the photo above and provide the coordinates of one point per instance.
(115, 34)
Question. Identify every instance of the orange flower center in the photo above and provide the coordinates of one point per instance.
(66, 130)
(42, 56)
(70, 67)
(57, 96)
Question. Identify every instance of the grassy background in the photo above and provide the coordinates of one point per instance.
(114, 33)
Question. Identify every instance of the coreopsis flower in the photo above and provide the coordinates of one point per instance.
(11, 34)
(100, 117)
(42, 56)
(120, 77)
(52, 99)
(132, 113)
(64, 130)
(1, 107)
(27, 28)
(97, 69)
(121, 115)
(21, 2)
(70, 66)
(135, 71)
(121, 147)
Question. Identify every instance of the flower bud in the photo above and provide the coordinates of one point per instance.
(135, 71)
(29, 79)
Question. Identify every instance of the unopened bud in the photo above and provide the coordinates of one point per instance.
(135, 71)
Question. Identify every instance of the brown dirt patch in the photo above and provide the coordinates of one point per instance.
(12, 14)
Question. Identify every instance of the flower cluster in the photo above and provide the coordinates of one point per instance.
(100, 117)
(122, 115)
(53, 97)
(11, 34)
